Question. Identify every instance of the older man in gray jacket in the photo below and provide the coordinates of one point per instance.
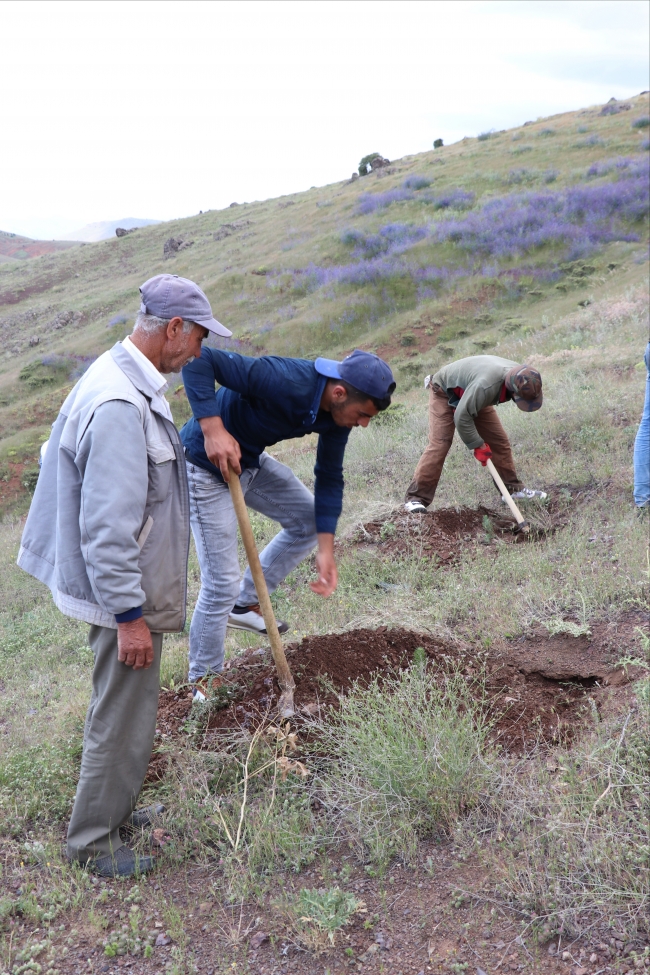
(108, 533)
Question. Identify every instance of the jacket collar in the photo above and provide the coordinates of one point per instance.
(132, 371)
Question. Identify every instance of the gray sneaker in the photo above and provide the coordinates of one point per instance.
(527, 493)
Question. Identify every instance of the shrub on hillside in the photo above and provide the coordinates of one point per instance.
(372, 161)
(641, 123)
(416, 183)
(54, 370)
(438, 143)
(484, 136)
(409, 759)
(613, 108)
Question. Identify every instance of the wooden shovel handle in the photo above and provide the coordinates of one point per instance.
(521, 521)
(285, 679)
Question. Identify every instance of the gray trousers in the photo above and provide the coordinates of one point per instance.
(118, 739)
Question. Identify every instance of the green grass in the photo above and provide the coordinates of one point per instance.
(577, 838)
(409, 756)
(563, 847)
(68, 299)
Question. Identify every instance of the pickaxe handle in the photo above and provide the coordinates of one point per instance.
(522, 524)
(285, 679)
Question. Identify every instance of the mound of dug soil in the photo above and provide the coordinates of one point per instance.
(538, 687)
(442, 533)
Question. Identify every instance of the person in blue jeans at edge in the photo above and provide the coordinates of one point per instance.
(642, 446)
(259, 403)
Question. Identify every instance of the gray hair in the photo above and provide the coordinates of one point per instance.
(150, 324)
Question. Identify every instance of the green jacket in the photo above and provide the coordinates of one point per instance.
(481, 379)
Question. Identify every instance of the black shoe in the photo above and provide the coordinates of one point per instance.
(123, 863)
(143, 818)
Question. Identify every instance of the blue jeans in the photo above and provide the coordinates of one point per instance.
(642, 447)
(272, 490)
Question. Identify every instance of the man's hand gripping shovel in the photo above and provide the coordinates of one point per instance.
(285, 680)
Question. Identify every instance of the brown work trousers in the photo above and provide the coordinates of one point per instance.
(441, 433)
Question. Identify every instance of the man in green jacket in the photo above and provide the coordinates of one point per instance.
(462, 396)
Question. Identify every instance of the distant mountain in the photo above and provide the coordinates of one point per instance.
(14, 247)
(104, 229)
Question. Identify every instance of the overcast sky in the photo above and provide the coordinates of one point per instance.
(162, 108)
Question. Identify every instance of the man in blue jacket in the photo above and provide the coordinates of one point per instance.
(260, 402)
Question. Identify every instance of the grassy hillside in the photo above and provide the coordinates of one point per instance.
(482, 808)
(438, 255)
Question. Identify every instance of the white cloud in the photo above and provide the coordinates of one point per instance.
(165, 108)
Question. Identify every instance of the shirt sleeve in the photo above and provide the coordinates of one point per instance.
(328, 472)
(112, 460)
(241, 373)
(474, 399)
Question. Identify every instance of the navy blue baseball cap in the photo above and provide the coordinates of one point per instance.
(363, 370)
(168, 295)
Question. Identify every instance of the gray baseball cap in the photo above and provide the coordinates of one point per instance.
(168, 295)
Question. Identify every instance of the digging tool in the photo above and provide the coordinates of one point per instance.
(285, 679)
(522, 524)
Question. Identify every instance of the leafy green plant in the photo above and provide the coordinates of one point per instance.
(365, 165)
(323, 912)
(39, 782)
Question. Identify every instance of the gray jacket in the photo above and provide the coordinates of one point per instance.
(108, 528)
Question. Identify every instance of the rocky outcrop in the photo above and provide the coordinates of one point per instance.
(122, 232)
(174, 244)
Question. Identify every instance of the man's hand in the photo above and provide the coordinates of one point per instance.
(483, 454)
(222, 448)
(134, 644)
(328, 575)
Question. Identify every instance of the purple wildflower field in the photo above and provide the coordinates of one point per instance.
(456, 199)
(573, 221)
(578, 218)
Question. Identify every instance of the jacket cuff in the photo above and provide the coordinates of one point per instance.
(326, 524)
(131, 614)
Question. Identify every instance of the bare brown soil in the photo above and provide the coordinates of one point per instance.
(540, 688)
(21, 248)
(431, 920)
(443, 533)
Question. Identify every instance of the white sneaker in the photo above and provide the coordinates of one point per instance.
(250, 618)
(527, 493)
(414, 507)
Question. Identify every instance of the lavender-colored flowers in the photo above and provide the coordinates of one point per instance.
(641, 123)
(452, 200)
(579, 218)
(392, 237)
(572, 221)
(368, 202)
(455, 199)
(376, 270)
